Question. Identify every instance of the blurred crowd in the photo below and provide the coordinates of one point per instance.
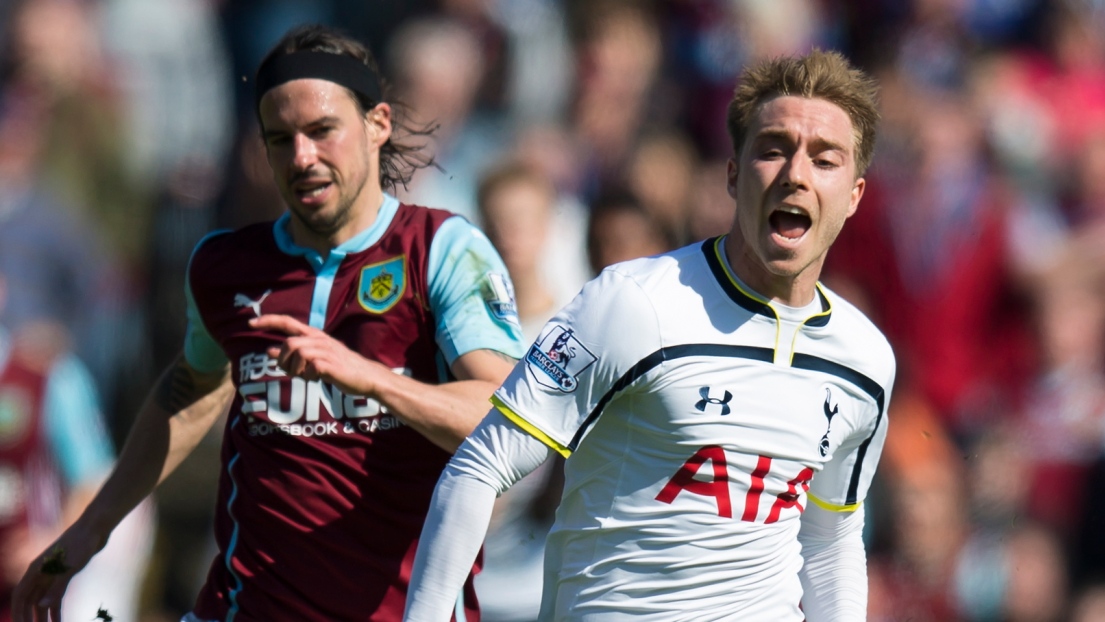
(578, 133)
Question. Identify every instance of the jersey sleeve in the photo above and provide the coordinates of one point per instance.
(578, 361)
(471, 294)
(843, 484)
(74, 423)
(201, 350)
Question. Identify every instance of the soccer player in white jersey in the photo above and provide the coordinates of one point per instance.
(722, 413)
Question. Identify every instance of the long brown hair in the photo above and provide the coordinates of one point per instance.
(399, 159)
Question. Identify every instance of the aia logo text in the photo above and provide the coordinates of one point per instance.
(718, 485)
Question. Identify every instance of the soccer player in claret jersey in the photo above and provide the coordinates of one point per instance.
(722, 413)
(357, 339)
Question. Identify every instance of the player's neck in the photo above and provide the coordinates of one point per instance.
(790, 290)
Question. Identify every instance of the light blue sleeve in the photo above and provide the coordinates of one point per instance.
(74, 423)
(201, 350)
(471, 294)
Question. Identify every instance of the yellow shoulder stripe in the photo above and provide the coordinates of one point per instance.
(825, 505)
(529, 427)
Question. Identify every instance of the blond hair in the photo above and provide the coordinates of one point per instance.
(817, 75)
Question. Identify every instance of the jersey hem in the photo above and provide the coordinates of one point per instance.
(831, 507)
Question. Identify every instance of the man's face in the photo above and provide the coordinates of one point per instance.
(795, 184)
(322, 151)
(516, 219)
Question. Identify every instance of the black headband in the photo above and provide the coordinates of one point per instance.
(337, 68)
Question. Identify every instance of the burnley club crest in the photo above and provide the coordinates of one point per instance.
(382, 285)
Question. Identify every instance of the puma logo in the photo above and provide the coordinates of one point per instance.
(241, 300)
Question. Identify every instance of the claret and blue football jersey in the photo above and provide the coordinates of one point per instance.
(323, 495)
(698, 420)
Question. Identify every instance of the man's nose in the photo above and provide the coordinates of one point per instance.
(305, 154)
(796, 173)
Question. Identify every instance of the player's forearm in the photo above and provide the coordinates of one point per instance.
(451, 539)
(446, 413)
(834, 572)
(491, 460)
(178, 413)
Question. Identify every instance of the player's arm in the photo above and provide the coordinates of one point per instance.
(494, 457)
(444, 413)
(179, 411)
(834, 569)
(834, 572)
(447, 413)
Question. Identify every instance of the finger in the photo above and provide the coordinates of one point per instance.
(303, 348)
(24, 611)
(290, 361)
(26, 596)
(310, 372)
(42, 613)
(282, 323)
(284, 354)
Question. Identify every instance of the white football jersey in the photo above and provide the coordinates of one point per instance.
(698, 420)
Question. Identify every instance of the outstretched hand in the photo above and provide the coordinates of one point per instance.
(38, 596)
(311, 354)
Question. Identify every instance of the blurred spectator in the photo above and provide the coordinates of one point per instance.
(539, 68)
(929, 529)
(618, 53)
(1088, 551)
(620, 229)
(516, 206)
(708, 42)
(1037, 584)
(172, 71)
(441, 67)
(53, 256)
(549, 149)
(711, 209)
(997, 491)
(252, 27)
(661, 171)
(56, 66)
(54, 454)
(945, 293)
(1065, 414)
(1089, 605)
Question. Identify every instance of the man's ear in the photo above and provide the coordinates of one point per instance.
(731, 177)
(857, 194)
(378, 122)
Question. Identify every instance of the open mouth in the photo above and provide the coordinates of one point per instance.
(789, 223)
(309, 191)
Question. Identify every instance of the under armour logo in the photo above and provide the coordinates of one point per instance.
(241, 300)
(706, 399)
(829, 414)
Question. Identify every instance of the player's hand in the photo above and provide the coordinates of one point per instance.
(311, 354)
(37, 598)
